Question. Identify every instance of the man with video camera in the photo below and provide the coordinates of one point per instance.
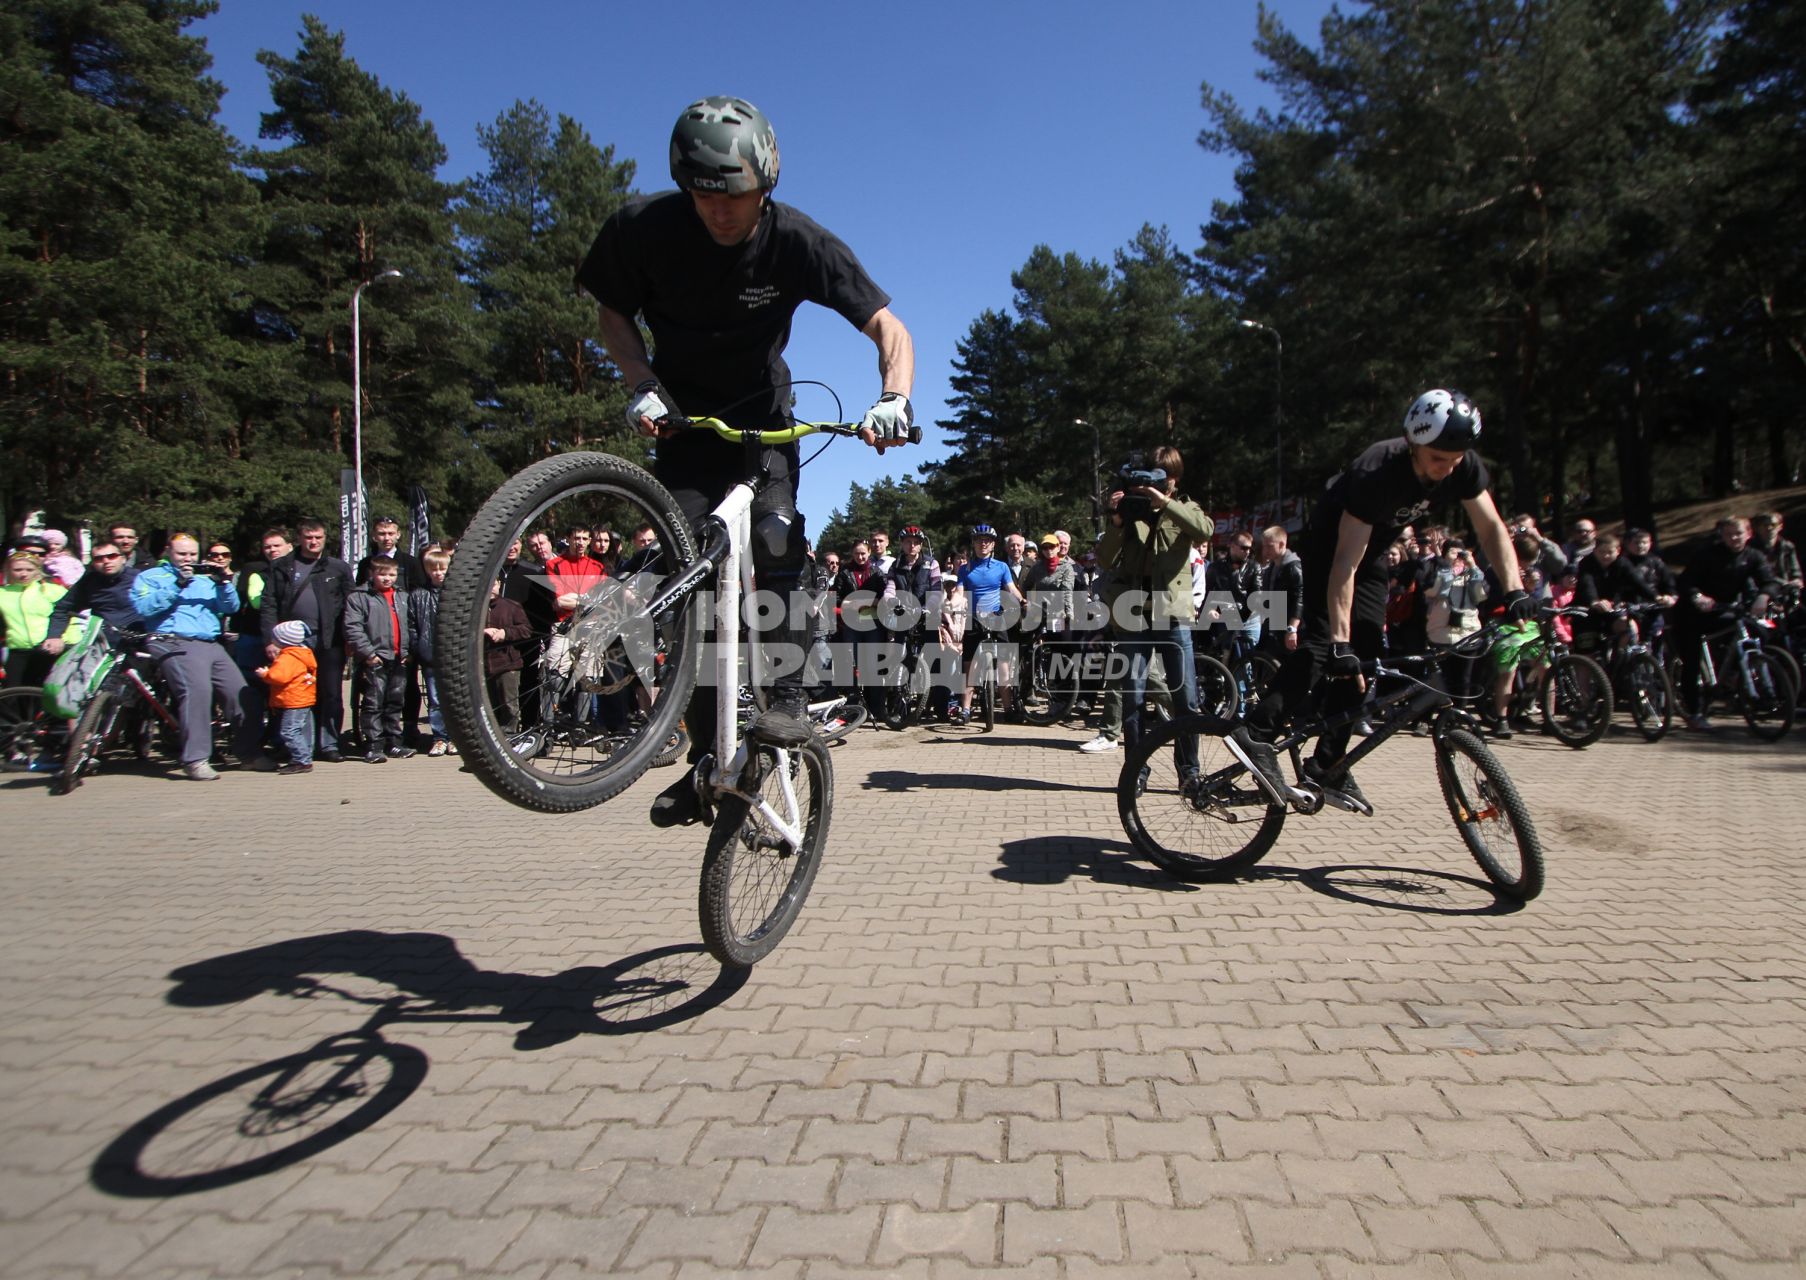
(183, 603)
(1148, 545)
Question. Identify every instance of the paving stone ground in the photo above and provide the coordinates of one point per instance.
(995, 1044)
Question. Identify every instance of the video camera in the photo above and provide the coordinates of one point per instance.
(1136, 473)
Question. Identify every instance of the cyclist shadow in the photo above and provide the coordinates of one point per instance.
(276, 1114)
(1411, 889)
(1057, 859)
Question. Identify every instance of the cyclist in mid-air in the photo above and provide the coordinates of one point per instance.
(1359, 515)
(716, 270)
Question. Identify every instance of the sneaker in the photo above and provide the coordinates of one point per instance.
(1141, 782)
(329, 757)
(294, 768)
(200, 771)
(1503, 731)
(373, 756)
(785, 723)
(1340, 789)
(1262, 762)
(1699, 724)
(1364, 727)
(438, 747)
(1101, 743)
(401, 753)
(451, 748)
(262, 764)
(678, 805)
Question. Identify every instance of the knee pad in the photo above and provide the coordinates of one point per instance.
(778, 545)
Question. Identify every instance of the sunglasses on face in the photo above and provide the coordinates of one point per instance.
(108, 555)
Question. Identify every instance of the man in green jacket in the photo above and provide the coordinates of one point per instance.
(1148, 545)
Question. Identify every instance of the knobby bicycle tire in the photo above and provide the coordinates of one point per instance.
(1649, 696)
(489, 747)
(22, 728)
(1577, 700)
(1208, 829)
(753, 887)
(1769, 714)
(1045, 701)
(987, 697)
(1489, 812)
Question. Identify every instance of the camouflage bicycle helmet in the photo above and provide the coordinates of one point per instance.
(1445, 420)
(726, 145)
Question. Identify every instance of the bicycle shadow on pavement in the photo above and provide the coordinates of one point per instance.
(1057, 859)
(275, 1114)
(1412, 889)
(903, 781)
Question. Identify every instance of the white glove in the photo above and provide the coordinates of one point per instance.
(890, 420)
(647, 403)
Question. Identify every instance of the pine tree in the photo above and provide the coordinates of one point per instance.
(527, 222)
(123, 231)
(353, 191)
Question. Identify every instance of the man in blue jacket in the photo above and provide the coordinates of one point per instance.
(182, 604)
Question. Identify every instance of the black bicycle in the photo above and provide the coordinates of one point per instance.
(1221, 821)
(1573, 691)
(1736, 666)
(1640, 682)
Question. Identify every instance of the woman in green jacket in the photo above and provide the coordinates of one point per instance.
(26, 601)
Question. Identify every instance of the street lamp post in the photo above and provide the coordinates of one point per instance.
(1279, 417)
(357, 408)
(1097, 491)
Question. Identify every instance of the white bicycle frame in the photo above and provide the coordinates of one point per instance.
(734, 582)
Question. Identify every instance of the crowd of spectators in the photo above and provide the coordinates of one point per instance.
(261, 651)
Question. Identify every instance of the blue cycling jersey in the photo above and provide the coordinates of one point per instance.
(985, 579)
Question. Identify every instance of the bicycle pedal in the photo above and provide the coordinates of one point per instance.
(1348, 804)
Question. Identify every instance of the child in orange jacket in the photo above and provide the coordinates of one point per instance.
(293, 678)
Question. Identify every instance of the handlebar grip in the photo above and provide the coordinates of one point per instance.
(915, 433)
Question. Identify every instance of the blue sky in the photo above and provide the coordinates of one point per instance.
(942, 141)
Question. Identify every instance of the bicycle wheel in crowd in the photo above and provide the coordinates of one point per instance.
(93, 731)
(1648, 695)
(676, 747)
(25, 730)
(753, 882)
(1217, 692)
(1263, 670)
(987, 692)
(558, 759)
(1047, 692)
(1490, 815)
(1577, 700)
(842, 721)
(1768, 703)
(1207, 828)
(1788, 662)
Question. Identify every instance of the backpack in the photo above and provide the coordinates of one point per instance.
(79, 670)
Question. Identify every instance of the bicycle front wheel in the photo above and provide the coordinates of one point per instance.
(1046, 694)
(1577, 700)
(987, 696)
(1650, 696)
(1490, 815)
(606, 643)
(850, 716)
(1204, 826)
(25, 730)
(754, 882)
(1767, 700)
(92, 729)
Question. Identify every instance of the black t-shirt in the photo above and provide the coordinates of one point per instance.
(720, 314)
(1381, 488)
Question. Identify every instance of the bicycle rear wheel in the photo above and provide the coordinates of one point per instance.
(753, 883)
(25, 730)
(606, 644)
(987, 695)
(1490, 815)
(1577, 700)
(1205, 828)
(1649, 695)
(1217, 692)
(1768, 702)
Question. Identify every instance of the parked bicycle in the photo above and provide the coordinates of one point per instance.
(1224, 820)
(768, 807)
(1640, 682)
(1738, 668)
(1571, 690)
